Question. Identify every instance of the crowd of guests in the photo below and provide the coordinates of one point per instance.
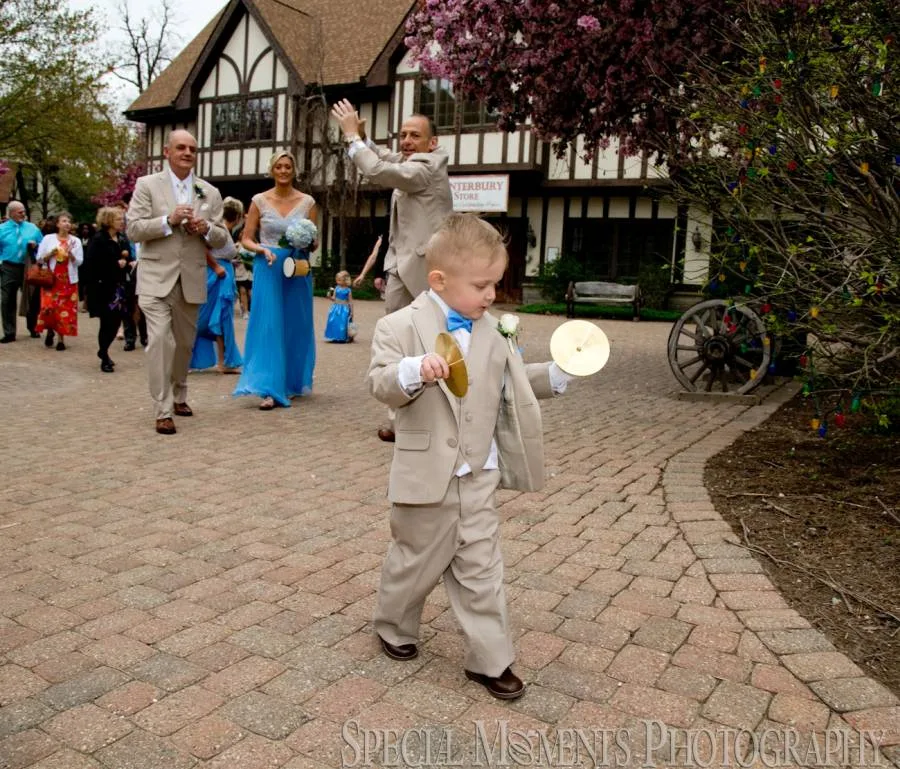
(91, 269)
(95, 270)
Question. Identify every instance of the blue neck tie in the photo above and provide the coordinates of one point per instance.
(455, 321)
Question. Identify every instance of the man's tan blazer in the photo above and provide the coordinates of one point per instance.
(421, 201)
(163, 259)
(436, 431)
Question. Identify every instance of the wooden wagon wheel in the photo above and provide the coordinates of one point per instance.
(719, 346)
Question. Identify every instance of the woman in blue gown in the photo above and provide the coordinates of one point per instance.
(280, 347)
(215, 321)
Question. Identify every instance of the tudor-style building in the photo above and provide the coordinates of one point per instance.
(258, 78)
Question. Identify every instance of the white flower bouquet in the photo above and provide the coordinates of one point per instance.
(301, 235)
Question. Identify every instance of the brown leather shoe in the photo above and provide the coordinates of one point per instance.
(402, 653)
(165, 426)
(386, 434)
(183, 410)
(507, 686)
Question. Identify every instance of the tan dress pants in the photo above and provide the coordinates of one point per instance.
(459, 539)
(396, 294)
(171, 328)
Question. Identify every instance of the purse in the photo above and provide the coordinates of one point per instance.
(39, 275)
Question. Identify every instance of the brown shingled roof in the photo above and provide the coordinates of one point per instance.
(331, 42)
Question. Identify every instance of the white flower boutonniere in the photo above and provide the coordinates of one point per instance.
(200, 194)
(508, 326)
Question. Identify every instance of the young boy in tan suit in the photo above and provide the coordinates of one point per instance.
(452, 453)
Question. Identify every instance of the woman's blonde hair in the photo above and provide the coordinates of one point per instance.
(106, 216)
(232, 209)
(278, 156)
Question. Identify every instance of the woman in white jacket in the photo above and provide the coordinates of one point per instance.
(62, 253)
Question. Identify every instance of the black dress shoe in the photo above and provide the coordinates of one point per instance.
(107, 367)
(60, 346)
(48, 340)
(34, 334)
(129, 346)
(402, 653)
(506, 686)
(386, 435)
(7, 339)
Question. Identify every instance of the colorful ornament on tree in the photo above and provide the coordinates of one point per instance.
(813, 312)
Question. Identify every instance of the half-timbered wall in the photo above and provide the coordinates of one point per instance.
(244, 112)
(156, 136)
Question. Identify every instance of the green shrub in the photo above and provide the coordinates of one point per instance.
(655, 280)
(556, 275)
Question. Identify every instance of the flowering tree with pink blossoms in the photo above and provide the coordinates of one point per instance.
(573, 68)
(120, 185)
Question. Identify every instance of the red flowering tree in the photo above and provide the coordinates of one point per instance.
(120, 185)
(573, 67)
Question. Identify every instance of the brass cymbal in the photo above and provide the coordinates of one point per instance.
(579, 348)
(458, 381)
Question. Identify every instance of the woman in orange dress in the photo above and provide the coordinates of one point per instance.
(63, 253)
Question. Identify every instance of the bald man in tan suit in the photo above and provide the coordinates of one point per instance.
(175, 216)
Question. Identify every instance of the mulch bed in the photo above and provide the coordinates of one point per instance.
(822, 515)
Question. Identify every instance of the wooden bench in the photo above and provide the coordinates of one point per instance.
(598, 292)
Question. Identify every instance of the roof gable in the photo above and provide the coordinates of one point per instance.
(330, 42)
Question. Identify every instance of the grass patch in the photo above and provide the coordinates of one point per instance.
(599, 311)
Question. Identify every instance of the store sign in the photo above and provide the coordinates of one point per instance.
(483, 193)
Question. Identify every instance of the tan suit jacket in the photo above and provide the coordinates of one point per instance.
(436, 431)
(163, 259)
(421, 201)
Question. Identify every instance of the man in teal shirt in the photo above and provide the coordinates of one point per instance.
(16, 237)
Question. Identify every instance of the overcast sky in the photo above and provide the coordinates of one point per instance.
(190, 17)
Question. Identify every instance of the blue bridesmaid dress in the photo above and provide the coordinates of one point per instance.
(338, 323)
(216, 318)
(280, 347)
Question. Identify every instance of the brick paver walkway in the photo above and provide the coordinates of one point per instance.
(205, 599)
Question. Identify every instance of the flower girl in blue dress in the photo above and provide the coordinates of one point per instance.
(340, 316)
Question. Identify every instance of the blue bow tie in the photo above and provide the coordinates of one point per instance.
(455, 321)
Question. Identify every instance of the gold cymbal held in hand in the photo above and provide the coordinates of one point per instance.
(579, 348)
(458, 381)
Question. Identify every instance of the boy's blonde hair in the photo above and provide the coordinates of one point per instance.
(460, 238)
(341, 275)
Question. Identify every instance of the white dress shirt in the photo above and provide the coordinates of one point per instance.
(183, 190)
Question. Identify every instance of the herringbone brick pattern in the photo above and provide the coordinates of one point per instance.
(204, 599)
